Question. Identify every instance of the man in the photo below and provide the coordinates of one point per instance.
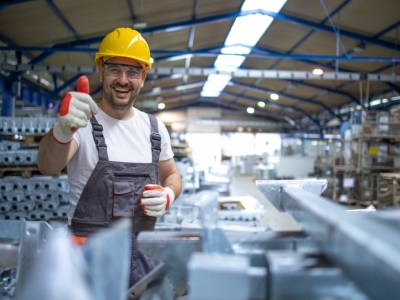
(115, 154)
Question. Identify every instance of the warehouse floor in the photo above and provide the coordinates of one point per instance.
(274, 220)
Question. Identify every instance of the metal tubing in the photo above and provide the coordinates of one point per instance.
(354, 242)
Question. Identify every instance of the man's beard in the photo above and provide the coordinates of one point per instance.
(108, 96)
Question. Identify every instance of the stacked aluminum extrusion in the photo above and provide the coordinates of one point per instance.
(36, 198)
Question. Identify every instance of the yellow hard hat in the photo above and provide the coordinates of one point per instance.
(124, 42)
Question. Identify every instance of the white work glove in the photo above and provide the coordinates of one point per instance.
(75, 111)
(156, 200)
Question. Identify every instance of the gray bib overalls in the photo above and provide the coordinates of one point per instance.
(113, 191)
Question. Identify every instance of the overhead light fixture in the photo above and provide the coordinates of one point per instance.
(139, 25)
(246, 31)
(317, 72)
(359, 48)
(161, 105)
(261, 103)
(274, 97)
(250, 110)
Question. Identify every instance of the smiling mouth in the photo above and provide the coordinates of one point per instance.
(121, 90)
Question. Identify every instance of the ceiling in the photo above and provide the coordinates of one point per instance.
(349, 38)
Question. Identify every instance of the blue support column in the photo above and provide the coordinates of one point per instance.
(7, 108)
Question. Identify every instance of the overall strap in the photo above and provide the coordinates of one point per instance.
(97, 132)
(155, 139)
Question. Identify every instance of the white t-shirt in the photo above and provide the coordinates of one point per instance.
(126, 140)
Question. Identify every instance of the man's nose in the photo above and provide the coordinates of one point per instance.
(123, 76)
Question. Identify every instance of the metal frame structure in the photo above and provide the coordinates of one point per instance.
(82, 45)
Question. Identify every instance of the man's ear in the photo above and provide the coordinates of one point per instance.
(143, 79)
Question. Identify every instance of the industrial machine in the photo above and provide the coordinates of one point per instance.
(339, 254)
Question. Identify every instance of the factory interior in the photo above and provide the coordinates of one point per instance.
(284, 121)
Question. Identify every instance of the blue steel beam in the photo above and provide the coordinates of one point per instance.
(393, 87)
(10, 43)
(63, 18)
(210, 54)
(324, 28)
(255, 48)
(350, 96)
(131, 10)
(263, 90)
(338, 9)
(6, 3)
(391, 27)
(170, 27)
(224, 17)
(65, 85)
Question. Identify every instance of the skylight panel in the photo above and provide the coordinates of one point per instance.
(245, 33)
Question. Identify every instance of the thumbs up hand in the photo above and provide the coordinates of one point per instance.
(75, 111)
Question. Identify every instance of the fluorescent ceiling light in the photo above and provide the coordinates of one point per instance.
(317, 72)
(375, 102)
(250, 110)
(395, 98)
(245, 31)
(261, 104)
(274, 97)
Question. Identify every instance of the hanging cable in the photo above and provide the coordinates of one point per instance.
(333, 27)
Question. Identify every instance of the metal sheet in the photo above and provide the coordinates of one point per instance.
(367, 249)
(272, 188)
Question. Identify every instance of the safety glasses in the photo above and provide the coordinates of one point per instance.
(115, 70)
